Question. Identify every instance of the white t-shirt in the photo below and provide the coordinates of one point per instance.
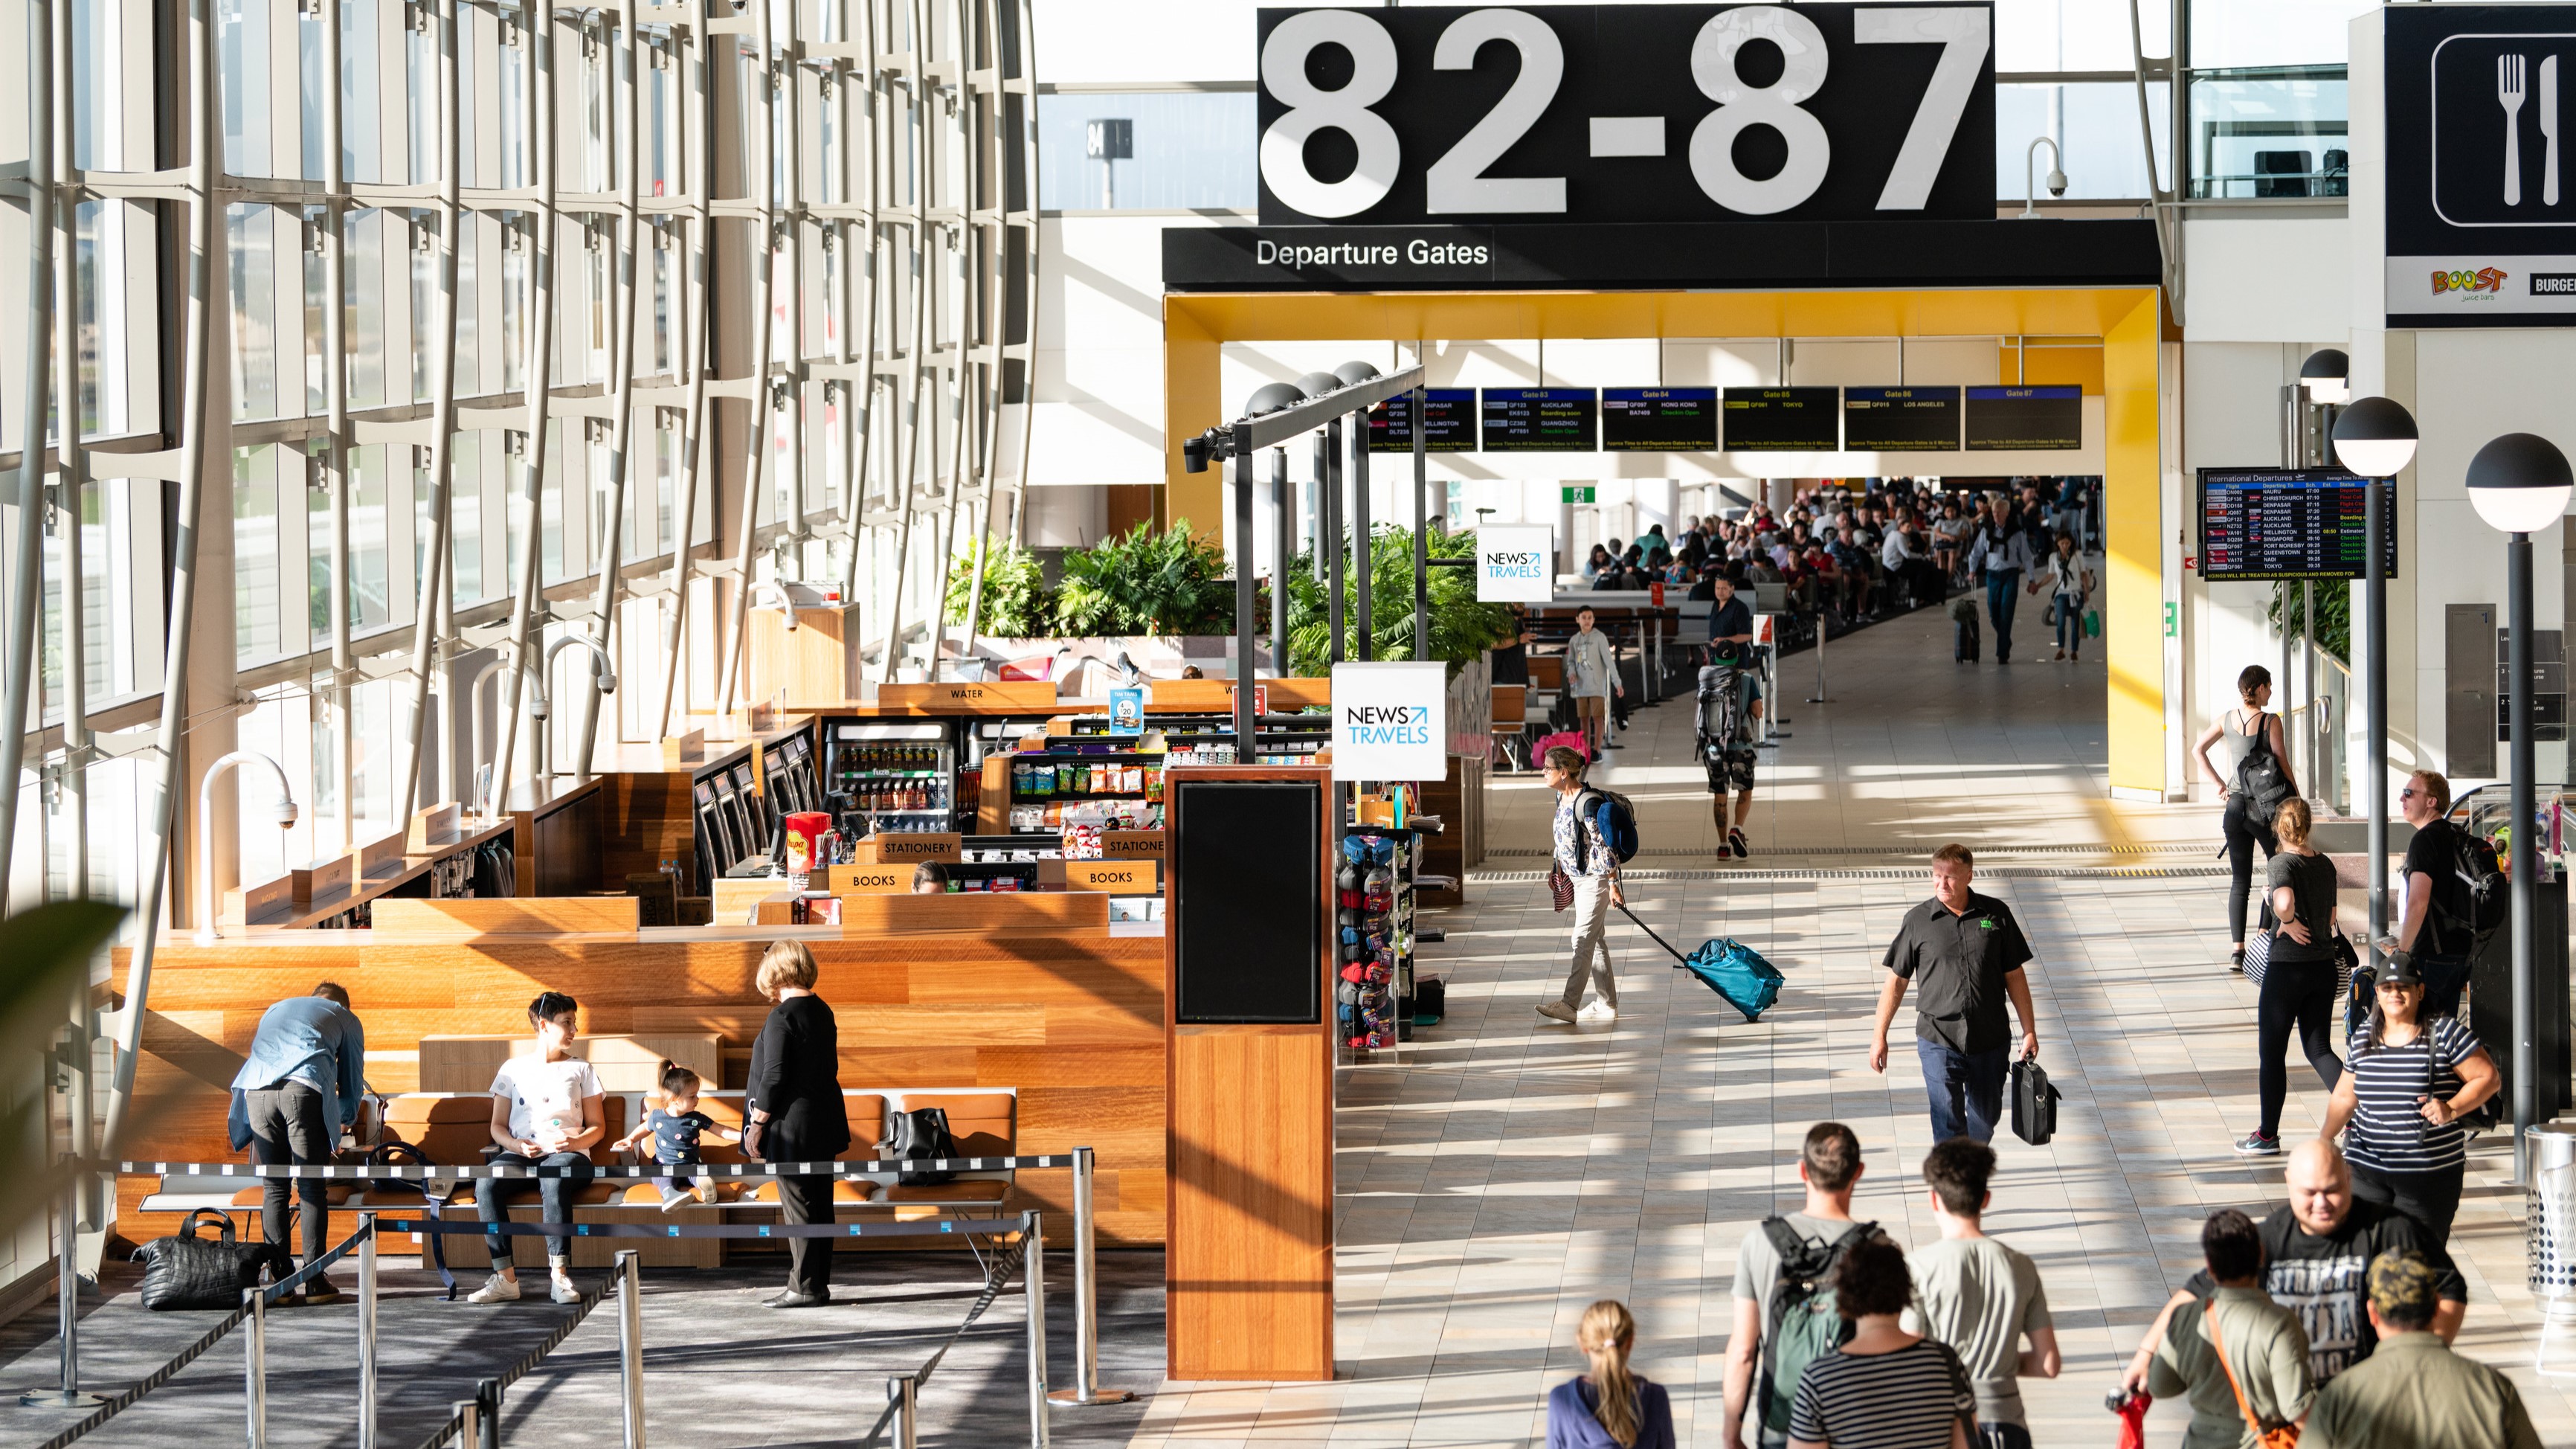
(540, 1091)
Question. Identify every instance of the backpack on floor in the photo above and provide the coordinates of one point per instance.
(1801, 1322)
(1617, 820)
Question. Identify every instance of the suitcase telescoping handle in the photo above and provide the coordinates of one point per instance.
(1650, 935)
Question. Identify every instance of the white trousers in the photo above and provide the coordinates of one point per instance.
(1591, 954)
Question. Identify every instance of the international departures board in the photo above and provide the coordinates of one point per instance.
(1909, 419)
(2261, 524)
(1450, 413)
(1659, 420)
(1541, 420)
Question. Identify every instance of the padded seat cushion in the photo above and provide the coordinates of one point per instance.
(977, 1191)
(844, 1190)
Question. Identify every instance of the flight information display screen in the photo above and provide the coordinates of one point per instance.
(1659, 420)
(2287, 523)
(1901, 419)
(1449, 411)
(1542, 420)
(1784, 419)
(2012, 419)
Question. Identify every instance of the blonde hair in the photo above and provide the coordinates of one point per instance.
(2437, 785)
(785, 963)
(1606, 1334)
(2290, 821)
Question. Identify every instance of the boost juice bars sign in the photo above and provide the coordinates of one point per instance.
(1390, 721)
(1515, 564)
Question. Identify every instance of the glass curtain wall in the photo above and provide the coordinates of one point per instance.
(525, 321)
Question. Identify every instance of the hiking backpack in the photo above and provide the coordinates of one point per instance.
(2259, 777)
(2483, 887)
(1617, 820)
(1801, 1323)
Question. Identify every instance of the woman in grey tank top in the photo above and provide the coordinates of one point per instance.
(2233, 735)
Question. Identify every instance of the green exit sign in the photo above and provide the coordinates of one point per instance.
(1578, 495)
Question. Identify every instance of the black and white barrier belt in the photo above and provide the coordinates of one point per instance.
(413, 1172)
(932, 1227)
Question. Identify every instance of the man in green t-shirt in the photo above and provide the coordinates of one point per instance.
(2415, 1393)
(1980, 1297)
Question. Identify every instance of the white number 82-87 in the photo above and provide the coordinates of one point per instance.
(1456, 183)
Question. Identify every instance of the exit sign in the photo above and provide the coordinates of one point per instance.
(1578, 495)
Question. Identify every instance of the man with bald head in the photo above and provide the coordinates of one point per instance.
(2316, 1263)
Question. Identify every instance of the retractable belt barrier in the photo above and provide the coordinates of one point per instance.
(125, 1398)
(933, 1227)
(439, 1172)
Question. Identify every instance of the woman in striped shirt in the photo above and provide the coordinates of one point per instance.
(2406, 1087)
(1884, 1388)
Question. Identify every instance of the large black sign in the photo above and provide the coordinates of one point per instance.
(2015, 419)
(2481, 187)
(2284, 523)
(1627, 113)
(1659, 420)
(1901, 419)
(1540, 420)
(1783, 419)
(1449, 411)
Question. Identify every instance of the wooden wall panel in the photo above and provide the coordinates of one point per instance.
(1074, 1022)
(1250, 1270)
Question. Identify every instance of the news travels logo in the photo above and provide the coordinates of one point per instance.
(1388, 724)
(1502, 563)
(2483, 284)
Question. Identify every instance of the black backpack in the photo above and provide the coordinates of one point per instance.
(2259, 777)
(2486, 895)
(921, 1134)
(1801, 1322)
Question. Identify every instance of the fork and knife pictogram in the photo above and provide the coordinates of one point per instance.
(2510, 93)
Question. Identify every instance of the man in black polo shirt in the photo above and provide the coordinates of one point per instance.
(1968, 952)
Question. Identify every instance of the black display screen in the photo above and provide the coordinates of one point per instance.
(1247, 901)
(1541, 420)
(2002, 419)
(1451, 412)
(1659, 420)
(2287, 523)
(1783, 419)
(1901, 419)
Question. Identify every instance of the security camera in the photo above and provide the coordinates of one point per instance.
(2056, 182)
(608, 677)
(285, 812)
(1196, 453)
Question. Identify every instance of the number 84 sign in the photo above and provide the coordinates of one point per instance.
(1627, 113)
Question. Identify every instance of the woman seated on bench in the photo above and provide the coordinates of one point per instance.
(546, 1111)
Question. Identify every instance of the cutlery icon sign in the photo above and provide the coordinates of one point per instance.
(2509, 94)
(2549, 130)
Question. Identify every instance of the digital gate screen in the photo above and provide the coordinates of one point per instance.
(1541, 420)
(1659, 420)
(1901, 419)
(2002, 419)
(1450, 411)
(1784, 419)
(2287, 523)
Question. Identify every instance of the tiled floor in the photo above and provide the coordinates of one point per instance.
(1500, 1174)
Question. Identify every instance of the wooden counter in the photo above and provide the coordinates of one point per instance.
(400, 870)
(560, 827)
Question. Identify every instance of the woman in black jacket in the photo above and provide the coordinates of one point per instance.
(794, 1110)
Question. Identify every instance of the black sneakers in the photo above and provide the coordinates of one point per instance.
(2255, 1144)
(1735, 842)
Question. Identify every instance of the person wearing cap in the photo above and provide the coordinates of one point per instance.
(2415, 1393)
(2410, 1081)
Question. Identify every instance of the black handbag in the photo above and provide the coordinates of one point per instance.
(185, 1271)
(920, 1134)
(2034, 1103)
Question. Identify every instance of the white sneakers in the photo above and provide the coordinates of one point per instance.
(674, 1196)
(497, 1290)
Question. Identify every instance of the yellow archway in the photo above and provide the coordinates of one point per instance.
(2126, 319)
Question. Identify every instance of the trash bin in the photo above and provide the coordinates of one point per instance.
(2549, 1241)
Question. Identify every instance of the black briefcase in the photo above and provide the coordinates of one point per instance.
(2034, 1104)
(185, 1271)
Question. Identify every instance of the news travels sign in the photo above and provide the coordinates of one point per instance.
(1515, 563)
(2480, 105)
(1390, 721)
(1627, 113)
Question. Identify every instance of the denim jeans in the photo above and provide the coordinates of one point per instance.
(554, 1194)
(1966, 1089)
(2003, 590)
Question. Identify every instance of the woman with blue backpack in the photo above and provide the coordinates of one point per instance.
(1587, 830)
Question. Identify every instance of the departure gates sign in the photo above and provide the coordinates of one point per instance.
(1627, 113)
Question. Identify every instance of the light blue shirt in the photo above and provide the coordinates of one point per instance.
(308, 1039)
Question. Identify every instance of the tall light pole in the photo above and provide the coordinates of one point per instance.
(2520, 484)
(1270, 397)
(1363, 554)
(2375, 438)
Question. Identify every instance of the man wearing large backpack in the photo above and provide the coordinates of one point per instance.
(2454, 893)
(1784, 1298)
(1594, 830)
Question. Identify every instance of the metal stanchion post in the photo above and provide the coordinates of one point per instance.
(255, 1366)
(367, 1337)
(469, 1423)
(1086, 1299)
(907, 1411)
(1820, 697)
(630, 1344)
(488, 1435)
(1033, 1274)
(67, 1304)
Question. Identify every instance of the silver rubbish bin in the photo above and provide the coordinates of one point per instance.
(2549, 1232)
